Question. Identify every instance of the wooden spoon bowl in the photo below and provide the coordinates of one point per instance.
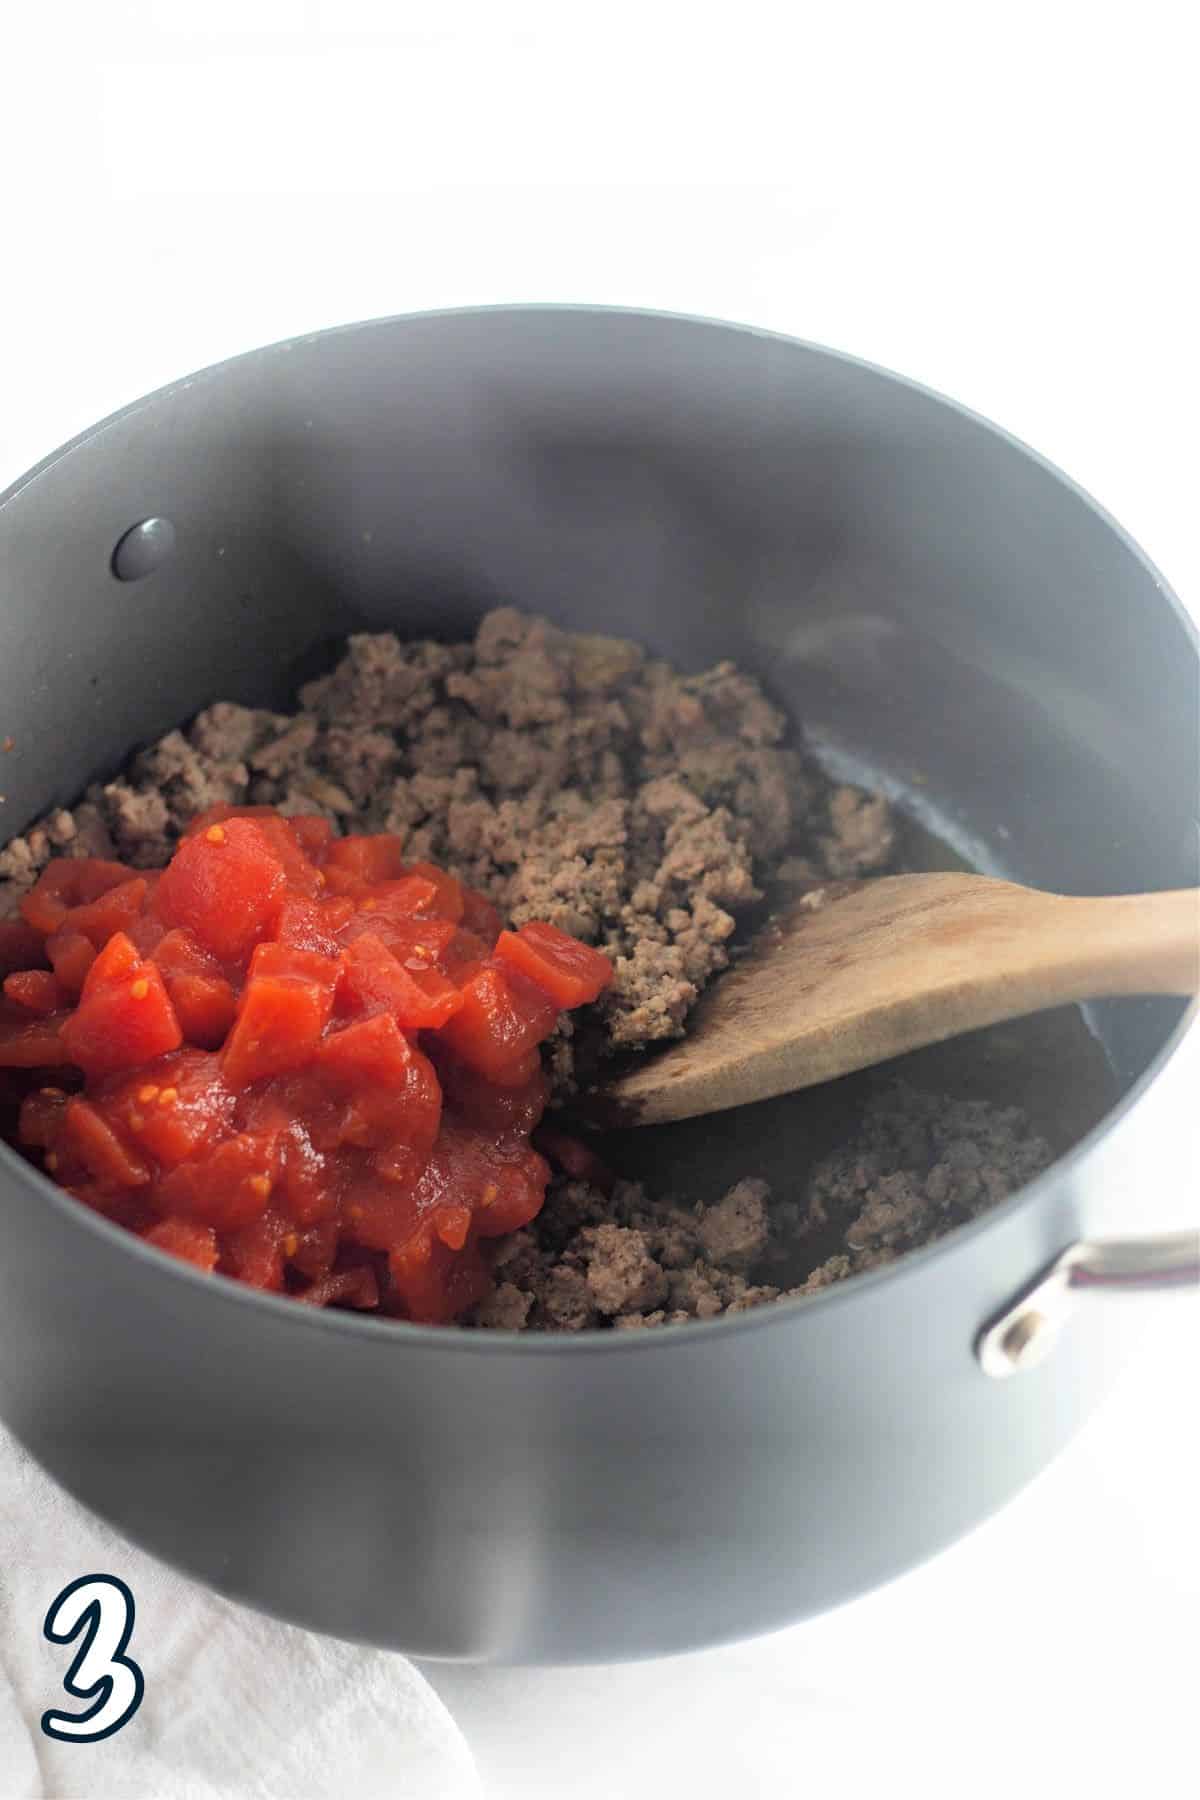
(859, 972)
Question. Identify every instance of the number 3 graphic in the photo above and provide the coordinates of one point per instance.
(102, 1608)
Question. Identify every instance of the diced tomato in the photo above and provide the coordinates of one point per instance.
(88, 1137)
(366, 859)
(440, 1000)
(410, 898)
(301, 1129)
(85, 878)
(117, 963)
(172, 1109)
(37, 990)
(314, 834)
(43, 906)
(516, 1107)
(480, 916)
(67, 882)
(516, 1074)
(307, 1188)
(203, 999)
(178, 953)
(518, 1196)
(148, 932)
(382, 1114)
(503, 1017)
(452, 1223)
(417, 941)
(21, 947)
(130, 1208)
(349, 1287)
(122, 1020)
(305, 925)
(71, 956)
(254, 1252)
(29, 1043)
(415, 896)
(41, 1117)
(306, 1098)
(448, 890)
(575, 1158)
(464, 956)
(191, 1243)
(433, 1284)
(292, 839)
(311, 1251)
(279, 1023)
(372, 1049)
(220, 813)
(205, 1007)
(336, 912)
(401, 1164)
(227, 1187)
(115, 910)
(278, 961)
(373, 980)
(504, 1180)
(568, 971)
(225, 885)
(379, 1211)
(302, 876)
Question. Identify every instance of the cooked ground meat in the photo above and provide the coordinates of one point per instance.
(917, 1165)
(571, 778)
(576, 779)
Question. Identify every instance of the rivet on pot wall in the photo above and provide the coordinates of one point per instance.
(143, 549)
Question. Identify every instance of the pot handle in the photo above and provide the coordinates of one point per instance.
(1018, 1338)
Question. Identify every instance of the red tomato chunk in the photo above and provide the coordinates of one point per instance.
(561, 966)
(290, 1058)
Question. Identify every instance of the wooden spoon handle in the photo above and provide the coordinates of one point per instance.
(1123, 944)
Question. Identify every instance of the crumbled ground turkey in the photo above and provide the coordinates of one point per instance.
(576, 779)
(917, 1165)
(571, 778)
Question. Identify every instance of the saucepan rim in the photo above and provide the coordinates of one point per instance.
(913, 1263)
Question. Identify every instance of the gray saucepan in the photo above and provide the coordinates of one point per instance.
(947, 614)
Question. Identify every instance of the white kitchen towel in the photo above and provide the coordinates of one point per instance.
(235, 1705)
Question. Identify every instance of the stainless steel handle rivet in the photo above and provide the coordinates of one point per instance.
(1026, 1331)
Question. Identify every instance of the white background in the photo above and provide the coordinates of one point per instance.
(996, 199)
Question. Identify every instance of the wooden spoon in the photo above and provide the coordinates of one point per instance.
(861, 971)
